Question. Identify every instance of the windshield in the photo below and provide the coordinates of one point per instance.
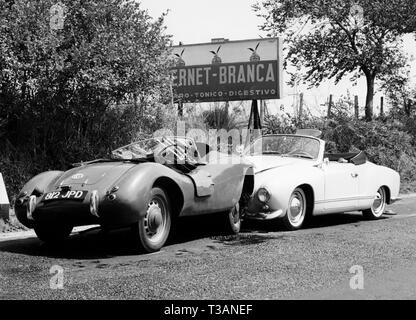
(140, 149)
(285, 145)
(169, 148)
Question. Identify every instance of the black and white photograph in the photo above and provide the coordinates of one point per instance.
(220, 152)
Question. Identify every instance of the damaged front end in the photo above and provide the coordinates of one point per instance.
(258, 206)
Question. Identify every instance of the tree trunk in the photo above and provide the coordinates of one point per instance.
(369, 102)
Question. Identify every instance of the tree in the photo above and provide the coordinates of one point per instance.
(333, 38)
(52, 81)
(73, 89)
(400, 92)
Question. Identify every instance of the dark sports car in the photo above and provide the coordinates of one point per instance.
(145, 185)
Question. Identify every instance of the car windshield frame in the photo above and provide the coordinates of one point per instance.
(251, 150)
(147, 148)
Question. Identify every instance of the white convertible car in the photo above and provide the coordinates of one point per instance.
(296, 179)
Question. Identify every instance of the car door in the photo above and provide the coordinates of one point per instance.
(341, 187)
(366, 185)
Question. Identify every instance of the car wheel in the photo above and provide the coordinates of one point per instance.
(296, 211)
(56, 233)
(378, 206)
(232, 220)
(154, 228)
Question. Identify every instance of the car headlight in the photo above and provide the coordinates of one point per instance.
(263, 195)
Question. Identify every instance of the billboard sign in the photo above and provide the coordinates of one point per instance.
(228, 71)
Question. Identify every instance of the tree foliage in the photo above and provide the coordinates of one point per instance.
(334, 38)
(74, 93)
(401, 94)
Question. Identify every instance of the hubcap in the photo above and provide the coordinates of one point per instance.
(155, 219)
(296, 209)
(379, 202)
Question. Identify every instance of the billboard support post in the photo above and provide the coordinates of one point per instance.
(254, 122)
(180, 108)
(254, 116)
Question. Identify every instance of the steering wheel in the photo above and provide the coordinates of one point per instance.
(168, 156)
(164, 155)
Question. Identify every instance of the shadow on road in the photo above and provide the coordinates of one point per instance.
(96, 244)
(313, 223)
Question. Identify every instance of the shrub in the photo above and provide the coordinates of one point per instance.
(219, 117)
(386, 142)
(77, 93)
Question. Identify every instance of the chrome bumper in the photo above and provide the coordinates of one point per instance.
(263, 215)
(392, 201)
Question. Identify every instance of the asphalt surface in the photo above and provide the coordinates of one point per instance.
(263, 262)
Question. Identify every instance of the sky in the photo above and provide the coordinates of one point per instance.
(198, 21)
(195, 21)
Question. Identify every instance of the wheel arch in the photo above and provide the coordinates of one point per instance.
(248, 182)
(388, 193)
(310, 197)
(173, 191)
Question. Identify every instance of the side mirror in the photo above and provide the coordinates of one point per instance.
(326, 161)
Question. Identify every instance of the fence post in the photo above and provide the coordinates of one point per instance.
(356, 108)
(381, 106)
(300, 106)
(330, 106)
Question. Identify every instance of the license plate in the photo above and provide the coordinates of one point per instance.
(65, 195)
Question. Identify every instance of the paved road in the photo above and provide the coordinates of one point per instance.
(263, 262)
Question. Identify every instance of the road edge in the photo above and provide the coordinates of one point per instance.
(31, 233)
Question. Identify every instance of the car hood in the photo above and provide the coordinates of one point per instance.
(267, 162)
(92, 174)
